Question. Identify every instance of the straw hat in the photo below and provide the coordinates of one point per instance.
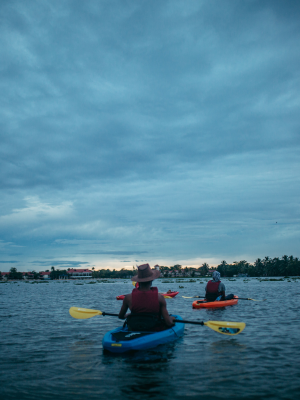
(145, 274)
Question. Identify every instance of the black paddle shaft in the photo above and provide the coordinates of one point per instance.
(189, 322)
(240, 298)
(176, 320)
(112, 315)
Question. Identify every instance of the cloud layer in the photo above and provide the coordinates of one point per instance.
(148, 131)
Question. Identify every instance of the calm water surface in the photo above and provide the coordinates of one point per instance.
(46, 354)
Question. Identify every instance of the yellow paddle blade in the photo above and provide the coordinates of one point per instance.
(257, 300)
(167, 297)
(226, 327)
(133, 283)
(83, 313)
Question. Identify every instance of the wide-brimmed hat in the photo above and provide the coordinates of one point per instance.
(145, 274)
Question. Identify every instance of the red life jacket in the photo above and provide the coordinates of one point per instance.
(212, 290)
(145, 302)
(145, 311)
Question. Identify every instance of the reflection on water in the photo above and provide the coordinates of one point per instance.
(221, 346)
(50, 355)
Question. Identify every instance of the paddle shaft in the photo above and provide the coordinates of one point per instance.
(224, 327)
(112, 315)
(189, 322)
(176, 320)
(240, 298)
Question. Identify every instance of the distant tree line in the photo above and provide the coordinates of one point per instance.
(284, 266)
(108, 273)
(15, 275)
(57, 273)
(180, 271)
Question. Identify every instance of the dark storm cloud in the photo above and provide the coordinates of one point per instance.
(116, 253)
(55, 262)
(8, 262)
(168, 126)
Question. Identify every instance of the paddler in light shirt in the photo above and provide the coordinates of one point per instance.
(215, 289)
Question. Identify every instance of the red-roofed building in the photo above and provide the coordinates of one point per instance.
(211, 271)
(45, 275)
(79, 273)
(4, 275)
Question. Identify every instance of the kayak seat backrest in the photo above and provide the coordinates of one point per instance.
(142, 321)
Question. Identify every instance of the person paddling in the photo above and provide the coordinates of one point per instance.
(215, 289)
(148, 307)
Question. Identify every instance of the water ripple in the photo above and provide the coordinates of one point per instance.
(50, 355)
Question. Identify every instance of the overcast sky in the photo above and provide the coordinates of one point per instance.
(148, 131)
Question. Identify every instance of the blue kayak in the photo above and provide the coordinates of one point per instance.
(120, 340)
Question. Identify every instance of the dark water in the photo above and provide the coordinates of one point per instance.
(46, 354)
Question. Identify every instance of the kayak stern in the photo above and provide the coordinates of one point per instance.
(143, 341)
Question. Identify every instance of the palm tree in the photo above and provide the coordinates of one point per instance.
(259, 267)
(204, 269)
(243, 266)
(52, 273)
(222, 268)
(14, 274)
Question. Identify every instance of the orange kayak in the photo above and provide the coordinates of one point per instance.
(214, 304)
(172, 294)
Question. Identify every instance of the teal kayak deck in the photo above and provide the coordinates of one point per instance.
(140, 340)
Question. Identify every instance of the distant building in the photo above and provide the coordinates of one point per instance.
(45, 275)
(211, 271)
(79, 273)
(4, 275)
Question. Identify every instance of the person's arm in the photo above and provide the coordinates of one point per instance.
(223, 295)
(124, 308)
(164, 312)
(222, 291)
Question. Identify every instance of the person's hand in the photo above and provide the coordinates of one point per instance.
(172, 320)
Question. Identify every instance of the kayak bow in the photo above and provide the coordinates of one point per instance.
(214, 304)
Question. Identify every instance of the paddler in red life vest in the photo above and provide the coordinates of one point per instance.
(215, 289)
(148, 307)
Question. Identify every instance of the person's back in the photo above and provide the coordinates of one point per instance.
(215, 288)
(145, 301)
(148, 307)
